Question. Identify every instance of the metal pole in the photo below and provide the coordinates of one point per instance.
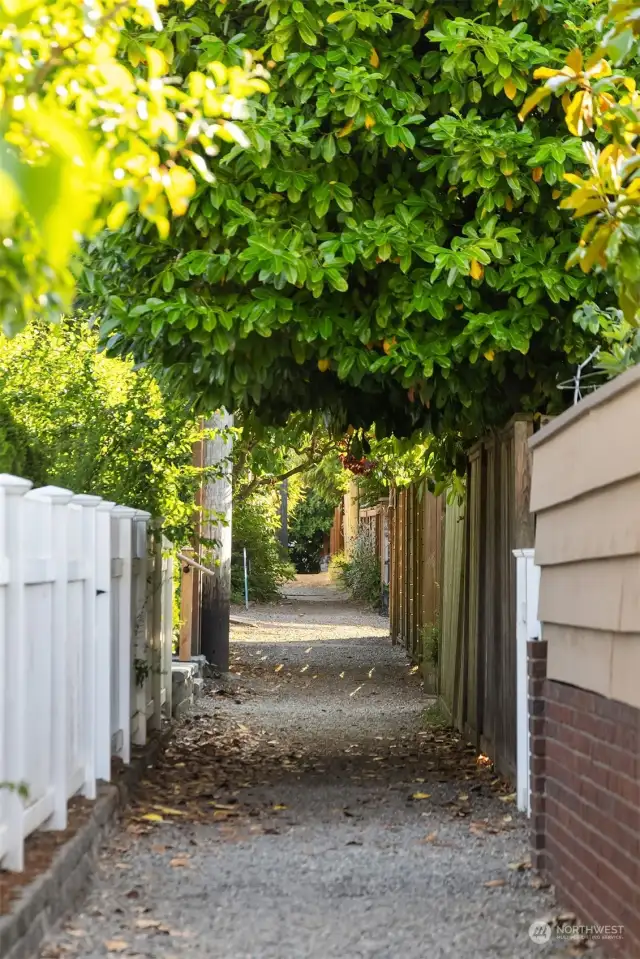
(246, 579)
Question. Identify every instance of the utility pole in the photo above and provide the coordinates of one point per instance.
(216, 526)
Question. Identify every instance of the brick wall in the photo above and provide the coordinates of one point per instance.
(585, 813)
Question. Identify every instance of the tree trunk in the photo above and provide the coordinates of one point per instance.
(284, 517)
(216, 525)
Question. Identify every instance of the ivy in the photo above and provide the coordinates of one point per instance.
(389, 247)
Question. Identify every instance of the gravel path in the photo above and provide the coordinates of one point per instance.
(309, 812)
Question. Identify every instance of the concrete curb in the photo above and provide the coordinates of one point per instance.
(65, 884)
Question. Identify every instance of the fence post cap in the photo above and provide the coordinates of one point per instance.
(14, 485)
(124, 512)
(106, 506)
(142, 514)
(86, 499)
(57, 494)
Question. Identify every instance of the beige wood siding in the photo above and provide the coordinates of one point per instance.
(585, 491)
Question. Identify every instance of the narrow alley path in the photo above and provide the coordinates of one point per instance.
(306, 810)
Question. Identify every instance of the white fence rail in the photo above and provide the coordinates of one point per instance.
(527, 628)
(85, 649)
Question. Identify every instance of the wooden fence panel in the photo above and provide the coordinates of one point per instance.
(452, 599)
(474, 598)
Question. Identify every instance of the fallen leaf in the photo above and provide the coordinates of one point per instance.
(538, 882)
(169, 811)
(357, 689)
(494, 883)
(520, 866)
(147, 923)
(341, 675)
(421, 796)
(510, 798)
(304, 668)
(156, 847)
(116, 945)
(278, 668)
(414, 669)
(370, 673)
(278, 807)
(309, 649)
(431, 837)
(152, 817)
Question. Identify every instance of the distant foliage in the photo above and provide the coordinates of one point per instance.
(359, 573)
(255, 524)
(309, 523)
(71, 417)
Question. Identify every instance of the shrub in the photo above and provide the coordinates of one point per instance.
(359, 572)
(309, 523)
(255, 522)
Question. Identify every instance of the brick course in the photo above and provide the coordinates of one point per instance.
(585, 801)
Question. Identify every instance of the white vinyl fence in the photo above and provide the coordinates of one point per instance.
(527, 628)
(85, 649)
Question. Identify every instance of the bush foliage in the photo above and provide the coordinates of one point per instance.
(255, 523)
(358, 573)
(309, 523)
(71, 417)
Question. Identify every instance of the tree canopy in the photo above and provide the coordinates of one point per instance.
(389, 247)
(86, 137)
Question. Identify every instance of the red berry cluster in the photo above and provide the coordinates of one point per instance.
(358, 466)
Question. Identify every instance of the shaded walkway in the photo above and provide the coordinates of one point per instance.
(307, 811)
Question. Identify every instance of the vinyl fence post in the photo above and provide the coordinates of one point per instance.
(156, 625)
(90, 659)
(59, 499)
(103, 640)
(122, 516)
(139, 630)
(14, 668)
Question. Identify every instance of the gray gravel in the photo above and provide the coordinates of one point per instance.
(352, 867)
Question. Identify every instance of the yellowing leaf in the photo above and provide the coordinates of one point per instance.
(477, 270)
(532, 101)
(346, 129)
(508, 204)
(278, 807)
(374, 59)
(369, 121)
(278, 668)
(536, 173)
(117, 215)
(156, 63)
(556, 194)
(545, 73)
(510, 88)
(421, 796)
(152, 817)
(324, 365)
(573, 114)
(489, 355)
(574, 60)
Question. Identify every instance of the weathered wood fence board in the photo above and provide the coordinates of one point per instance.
(473, 600)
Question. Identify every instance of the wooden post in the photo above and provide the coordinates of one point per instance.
(216, 527)
(196, 575)
(156, 626)
(186, 610)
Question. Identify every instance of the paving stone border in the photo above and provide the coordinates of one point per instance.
(66, 882)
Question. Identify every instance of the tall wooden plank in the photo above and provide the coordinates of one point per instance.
(474, 573)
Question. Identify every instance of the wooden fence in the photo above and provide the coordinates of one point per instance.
(85, 649)
(459, 574)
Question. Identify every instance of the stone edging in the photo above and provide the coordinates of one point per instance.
(65, 883)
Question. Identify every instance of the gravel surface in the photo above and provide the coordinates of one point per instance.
(312, 813)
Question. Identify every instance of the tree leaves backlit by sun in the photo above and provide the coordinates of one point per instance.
(88, 138)
(604, 104)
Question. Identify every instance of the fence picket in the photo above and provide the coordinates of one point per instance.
(77, 611)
